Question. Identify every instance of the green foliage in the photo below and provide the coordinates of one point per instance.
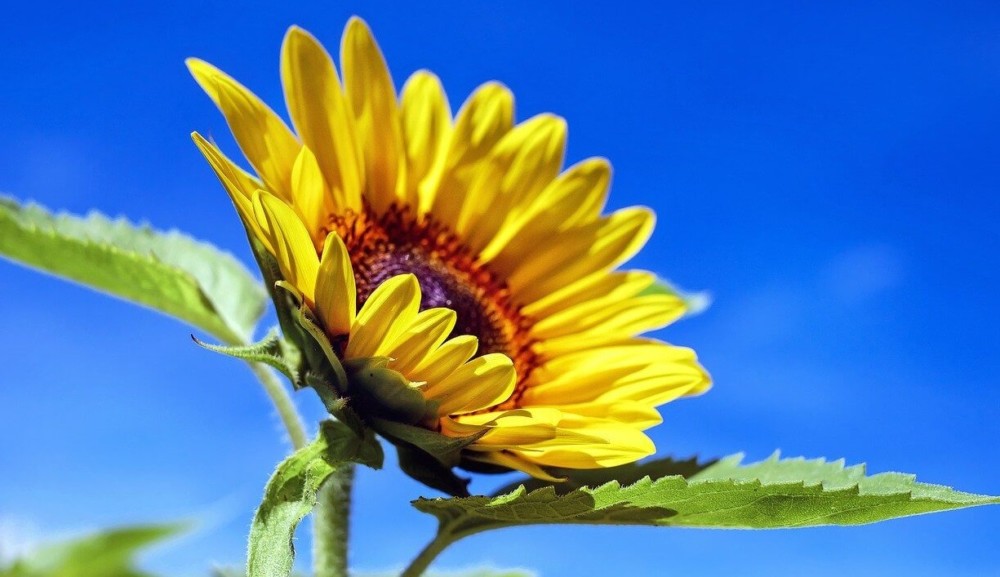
(165, 271)
(774, 493)
(291, 494)
(105, 554)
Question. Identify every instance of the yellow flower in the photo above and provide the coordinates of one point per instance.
(460, 250)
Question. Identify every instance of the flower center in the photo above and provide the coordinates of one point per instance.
(396, 243)
(440, 287)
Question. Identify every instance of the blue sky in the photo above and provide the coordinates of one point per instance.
(829, 173)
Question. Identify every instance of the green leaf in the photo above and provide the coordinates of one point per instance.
(291, 494)
(696, 302)
(105, 554)
(774, 493)
(166, 271)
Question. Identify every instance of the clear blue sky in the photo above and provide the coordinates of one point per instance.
(829, 173)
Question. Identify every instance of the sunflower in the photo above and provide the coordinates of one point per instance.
(459, 251)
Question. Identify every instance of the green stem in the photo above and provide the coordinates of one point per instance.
(331, 523)
(430, 552)
(282, 402)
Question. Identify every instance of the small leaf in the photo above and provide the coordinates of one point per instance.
(269, 351)
(773, 493)
(291, 494)
(695, 302)
(317, 350)
(108, 553)
(165, 271)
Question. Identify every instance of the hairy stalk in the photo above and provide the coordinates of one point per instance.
(331, 519)
(427, 556)
(282, 402)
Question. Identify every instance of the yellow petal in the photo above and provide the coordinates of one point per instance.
(385, 315)
(508, 428)
(478, 384)
(445, 360)
(660, 389)
(321, 115)
(426, 127)
(580, 252)
(513, 461)
(616, 285)
(310, 194)
(653, 385)
(237, 183)
(576, 197)
(294, 249)
(612, 318)
(633, 414)
(372, 97)
(579, 193)
(263, 137)
(484, 118)
(429, 329)
(336, 294)
(617, 446)
(629, 354)
(587, 375)
(521, 165)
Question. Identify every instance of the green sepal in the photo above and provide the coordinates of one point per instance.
(272, 351)
(421, 466)
(384, 393)
(284, 303)
(316, 348)
(446, 450)
(428, 456)
(342, 411)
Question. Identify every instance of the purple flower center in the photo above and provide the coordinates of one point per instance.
(440, 286)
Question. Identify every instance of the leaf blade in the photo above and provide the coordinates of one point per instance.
(774, 493)
(166, 271)
(109, 553)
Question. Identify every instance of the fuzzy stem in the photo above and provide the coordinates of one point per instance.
(427, 556)
(331, 523)
(283, 404)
